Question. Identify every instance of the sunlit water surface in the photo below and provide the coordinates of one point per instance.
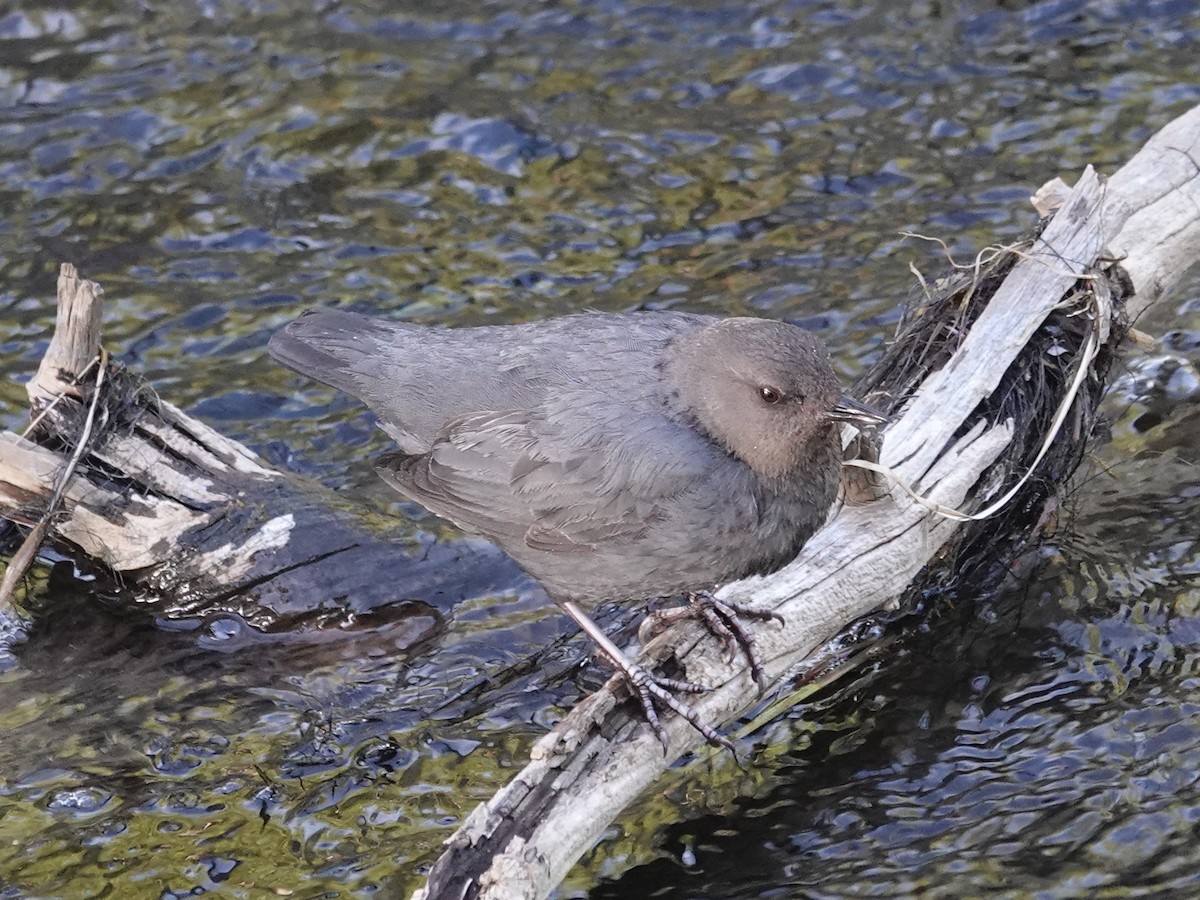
(219, 167)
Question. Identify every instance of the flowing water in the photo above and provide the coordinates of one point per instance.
(220, 166)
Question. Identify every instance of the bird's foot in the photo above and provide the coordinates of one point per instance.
(723, 619)
(648, 688)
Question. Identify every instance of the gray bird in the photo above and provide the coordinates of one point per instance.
(613, 456)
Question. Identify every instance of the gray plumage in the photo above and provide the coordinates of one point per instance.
(613, 456)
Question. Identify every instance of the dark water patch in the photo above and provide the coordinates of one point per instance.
(219, 168)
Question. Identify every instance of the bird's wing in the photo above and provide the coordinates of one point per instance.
(416, 378)
(556, 479)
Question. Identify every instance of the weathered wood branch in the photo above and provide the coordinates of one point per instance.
(191, 524)
(595, 762)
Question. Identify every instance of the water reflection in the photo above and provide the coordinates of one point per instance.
(219, 167)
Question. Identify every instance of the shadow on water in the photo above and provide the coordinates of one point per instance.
(220, 167)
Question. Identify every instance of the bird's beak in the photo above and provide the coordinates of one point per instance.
(847, 409)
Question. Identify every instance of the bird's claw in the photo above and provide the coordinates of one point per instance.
(722, 618)
(647, 687)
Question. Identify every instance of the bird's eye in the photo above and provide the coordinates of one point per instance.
(770, 394)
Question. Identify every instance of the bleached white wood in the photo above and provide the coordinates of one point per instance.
(123, 531)
(1160, 229)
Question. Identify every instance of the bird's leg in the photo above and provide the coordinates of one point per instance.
(723, 620)
(647, 687)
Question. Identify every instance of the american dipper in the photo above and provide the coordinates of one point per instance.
(613, 456)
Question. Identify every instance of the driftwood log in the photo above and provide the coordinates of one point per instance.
(1011, 356)
(190, 524)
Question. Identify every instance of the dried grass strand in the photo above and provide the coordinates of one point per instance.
(27, 552)
(1083, 365)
